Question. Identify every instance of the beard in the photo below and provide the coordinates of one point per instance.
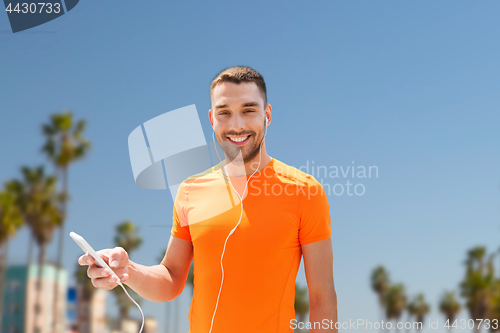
(240, 155)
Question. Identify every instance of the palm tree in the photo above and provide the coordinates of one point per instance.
(177, 315)
(449, 306)
(128, 238)
(477, 286)
(190, 278)
(41, 206)
(85, 287)
(301, 302)
(380, 284)
(11, 220)
(495, 310)
(167, 319)
(418, 308)
(412, 312)
(189, 281)
(395, 300)
(495, 298)
(64, 146)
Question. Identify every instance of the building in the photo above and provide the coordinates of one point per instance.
(132, 325)
(150, 325)
(20, 296)
(71, 302)
(91, 310)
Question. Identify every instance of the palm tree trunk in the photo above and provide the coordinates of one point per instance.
(41, 261)
(176, 318)
(167, 324)
(59, 255)
(476, 329)
(30, 250)
(300, 319)
(3, 268)
(123, 316)
(381, 308)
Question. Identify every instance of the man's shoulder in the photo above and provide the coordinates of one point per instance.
(289, 173)
(196, 182)
(207, 174)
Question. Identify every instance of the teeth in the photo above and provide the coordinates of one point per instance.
(239, 139)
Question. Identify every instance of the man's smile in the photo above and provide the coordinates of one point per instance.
(239, 140)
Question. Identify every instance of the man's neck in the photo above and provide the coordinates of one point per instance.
(235, 168)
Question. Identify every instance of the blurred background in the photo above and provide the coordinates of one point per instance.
(408, 90)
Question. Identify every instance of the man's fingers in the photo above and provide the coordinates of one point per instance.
(85, 260)
(118, 258)
(104, 254)
(102, 278)
(114, 257)
(95, 272)
(104, 283)
(112, 279)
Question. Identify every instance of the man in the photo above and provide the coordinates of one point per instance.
(246, 222)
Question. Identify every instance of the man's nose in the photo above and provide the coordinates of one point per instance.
(237, 123)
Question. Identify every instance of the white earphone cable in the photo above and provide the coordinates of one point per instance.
(142, 314)
(241, 215)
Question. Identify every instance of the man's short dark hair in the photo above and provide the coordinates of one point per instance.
(238, 74)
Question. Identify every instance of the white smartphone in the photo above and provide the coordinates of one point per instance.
(90, 251)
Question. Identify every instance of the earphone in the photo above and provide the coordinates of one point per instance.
(241, 214)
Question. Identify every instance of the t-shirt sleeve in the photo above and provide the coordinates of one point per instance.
(180, 226)
(178, 230)
(314, 213)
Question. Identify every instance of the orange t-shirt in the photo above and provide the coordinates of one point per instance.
(283, 208)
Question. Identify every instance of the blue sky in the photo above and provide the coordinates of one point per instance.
(409, 87)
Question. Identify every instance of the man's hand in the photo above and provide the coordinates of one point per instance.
(116, 259)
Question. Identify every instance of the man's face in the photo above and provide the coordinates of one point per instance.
(239, 113)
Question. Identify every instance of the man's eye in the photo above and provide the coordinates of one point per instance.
(249, 110)
(221, 113)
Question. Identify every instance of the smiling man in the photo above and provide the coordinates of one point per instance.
(246, 223)
(241, 131)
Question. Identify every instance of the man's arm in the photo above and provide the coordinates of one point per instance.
(166, 281)
(318, 264)
(158, 283)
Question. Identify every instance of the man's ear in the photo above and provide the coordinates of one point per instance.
(210, 117)
(268, 113)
